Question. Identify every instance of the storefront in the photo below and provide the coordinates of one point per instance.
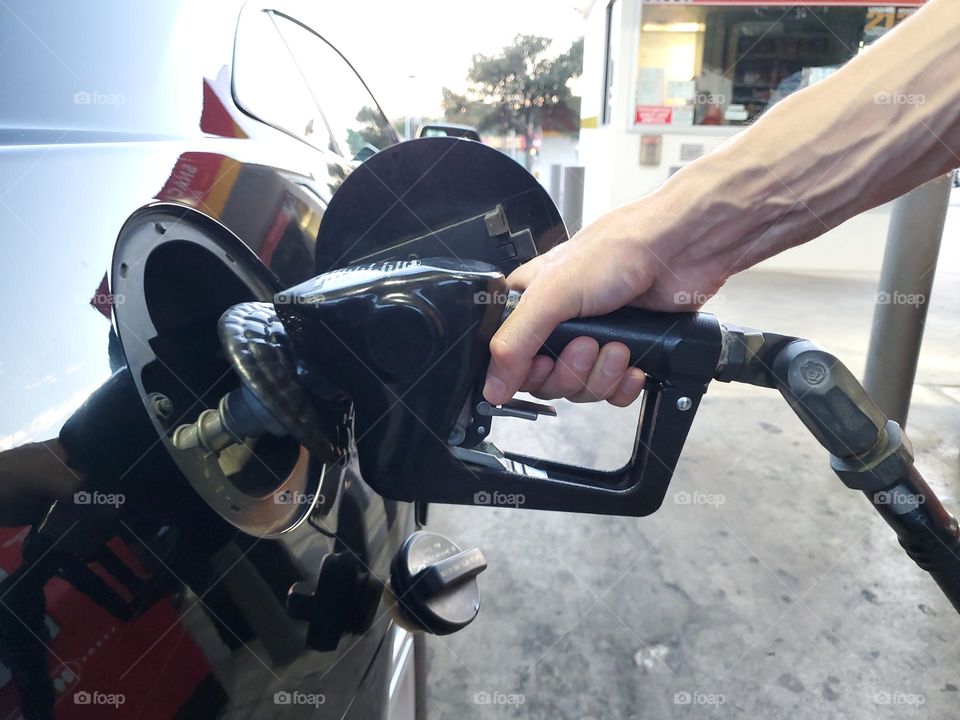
(711, 63)
(666, 81)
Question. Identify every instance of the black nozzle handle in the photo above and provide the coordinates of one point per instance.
(675, 348)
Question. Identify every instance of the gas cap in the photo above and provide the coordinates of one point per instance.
(435, 583)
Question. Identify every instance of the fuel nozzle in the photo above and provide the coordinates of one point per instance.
(270, 399)
(238, 416)
(407, 342)
(403, 346)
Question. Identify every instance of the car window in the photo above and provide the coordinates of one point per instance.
(268, 83)
(356, 122)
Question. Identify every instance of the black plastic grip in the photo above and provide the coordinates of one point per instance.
(680, 349)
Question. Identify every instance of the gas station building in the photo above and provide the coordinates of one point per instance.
(665, 81)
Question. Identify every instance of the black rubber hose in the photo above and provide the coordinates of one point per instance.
(927, 532)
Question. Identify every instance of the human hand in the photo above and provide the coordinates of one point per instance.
(623, 258)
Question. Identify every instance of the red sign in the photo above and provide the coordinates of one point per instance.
(653, 115)
(102, 667)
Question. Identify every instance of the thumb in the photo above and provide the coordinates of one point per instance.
(520, 338)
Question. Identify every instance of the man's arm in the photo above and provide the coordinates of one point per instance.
(886, 122)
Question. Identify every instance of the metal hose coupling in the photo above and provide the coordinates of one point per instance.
(238, 416)
(269, 400)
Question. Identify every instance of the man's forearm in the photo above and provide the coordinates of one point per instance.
(885, 123)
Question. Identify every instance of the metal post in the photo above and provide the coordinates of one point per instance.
(573, 198)
(556, 177)
(909, 264)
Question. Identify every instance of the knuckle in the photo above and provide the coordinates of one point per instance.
(503, 352)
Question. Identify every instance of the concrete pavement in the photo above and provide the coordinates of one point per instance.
(762, 589)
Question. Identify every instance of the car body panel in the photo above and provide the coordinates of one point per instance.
(120, 106)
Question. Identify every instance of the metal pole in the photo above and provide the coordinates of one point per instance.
(909, 264)
(573, 198)
(556, 177)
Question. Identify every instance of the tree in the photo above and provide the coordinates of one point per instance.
(516, 88)
(370, 132)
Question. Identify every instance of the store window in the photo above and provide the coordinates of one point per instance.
(724, 63)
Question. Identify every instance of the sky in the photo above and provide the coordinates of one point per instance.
(434, 41)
